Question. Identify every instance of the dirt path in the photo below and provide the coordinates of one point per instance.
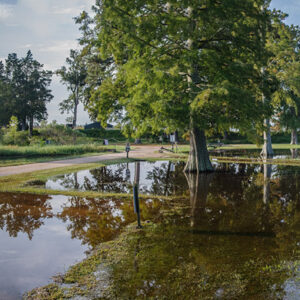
(139, 152)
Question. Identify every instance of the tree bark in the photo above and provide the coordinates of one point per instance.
(225, 136)
(23, 125)
(75, 115)
(267, 151)
(294, 137)
(198, 161)
(30, 126)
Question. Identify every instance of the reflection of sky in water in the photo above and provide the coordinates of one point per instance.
(26, 264)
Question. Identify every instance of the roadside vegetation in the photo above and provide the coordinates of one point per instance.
(52, 151)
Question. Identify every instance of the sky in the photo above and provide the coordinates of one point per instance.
(47, 28)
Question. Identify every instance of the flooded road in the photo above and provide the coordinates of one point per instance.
(234, 234)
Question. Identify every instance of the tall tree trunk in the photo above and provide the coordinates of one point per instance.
(294, 137)
(198, 160)
(267, 151)
(75, 115)
(30, 125)
(23, 124)
(225, 136)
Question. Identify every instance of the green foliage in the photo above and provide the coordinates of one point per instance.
(26, 91)
(165, 63)
(286, 66)
(97, 134)
(49, 151)
(6, 98)
(60, 134)
(11, 135)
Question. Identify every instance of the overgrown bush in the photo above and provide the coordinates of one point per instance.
(11, 135)
(100, 134)
(61, 135)
(51, 151)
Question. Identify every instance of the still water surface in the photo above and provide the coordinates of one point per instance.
(228, 235)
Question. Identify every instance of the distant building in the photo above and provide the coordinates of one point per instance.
(97, 125)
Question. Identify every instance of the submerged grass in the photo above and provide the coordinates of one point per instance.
(80, 279)
(122, 268)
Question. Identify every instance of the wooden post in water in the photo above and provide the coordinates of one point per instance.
(136, 202)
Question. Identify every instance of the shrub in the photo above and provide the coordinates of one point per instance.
(98, 134)
(61, 135)
(11, 135)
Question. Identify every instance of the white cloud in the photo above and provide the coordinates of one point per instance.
(60, 46)
(6, 11)
(27, 46)
(73, 11)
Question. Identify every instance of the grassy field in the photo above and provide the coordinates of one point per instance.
(6, 162)
(185, 148)
(14, 155)
(51, 151)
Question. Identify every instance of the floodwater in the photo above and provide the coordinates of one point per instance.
(43, 235)
(233, 234)
(158, 178)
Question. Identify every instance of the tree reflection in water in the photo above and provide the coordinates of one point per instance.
(23, 213)
(294, 153)
(93, 220)
(243, 245)
(160, 178)
(106, 179)
(166, 179)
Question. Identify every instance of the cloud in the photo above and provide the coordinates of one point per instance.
(59, 46)
(73, 11)
(9, 1)
(6, 11)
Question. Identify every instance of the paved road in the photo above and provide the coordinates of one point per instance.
(138, 152)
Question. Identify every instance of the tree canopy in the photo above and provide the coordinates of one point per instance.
(180, 64)
(26, 89)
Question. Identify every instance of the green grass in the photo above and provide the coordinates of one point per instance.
(255, 147)
(52, 151)
(186, 148)
(6, 162)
